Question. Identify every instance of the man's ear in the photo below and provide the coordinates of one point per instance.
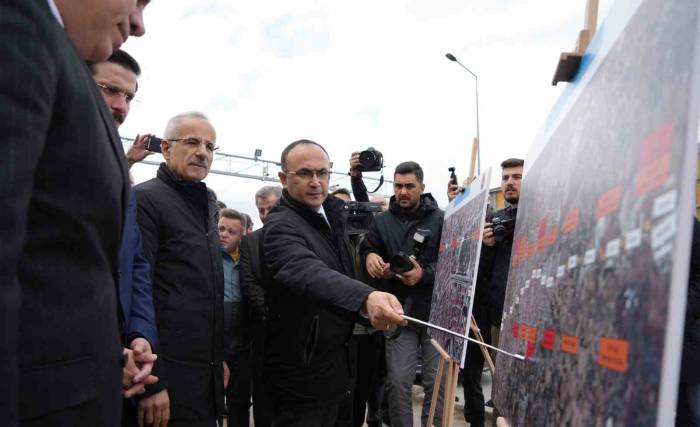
(422, 188)
(283, 178)
(165, 148)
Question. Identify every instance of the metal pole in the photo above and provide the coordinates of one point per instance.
(476, 83)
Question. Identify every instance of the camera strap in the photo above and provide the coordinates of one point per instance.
(381, 182)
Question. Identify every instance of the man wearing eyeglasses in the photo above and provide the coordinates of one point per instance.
(178, 218)
(312, 298)
(117, 79)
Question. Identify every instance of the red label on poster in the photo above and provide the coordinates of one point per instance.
(571, 221)
(455, 244)
(609, 202)
(514, 329)
(530, 350)
(548, 338)
(476, 234)
(654, 175)
(613, 354)
(569, 344)
(530, 250)
(656, 145)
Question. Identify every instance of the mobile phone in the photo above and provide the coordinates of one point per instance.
(153, 144)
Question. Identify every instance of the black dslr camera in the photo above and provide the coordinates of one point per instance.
(359, 215)
(371, 160)
(503, 228)
(401, 262)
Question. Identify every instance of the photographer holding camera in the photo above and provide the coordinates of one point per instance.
(401, 249)
(491, 283)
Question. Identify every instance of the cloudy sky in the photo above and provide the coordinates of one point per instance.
(350, 75)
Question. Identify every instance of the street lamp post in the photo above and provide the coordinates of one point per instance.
(452, 58)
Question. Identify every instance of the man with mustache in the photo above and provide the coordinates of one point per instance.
(490, 284)
(64, 190)
(178, 218)
(412, 226)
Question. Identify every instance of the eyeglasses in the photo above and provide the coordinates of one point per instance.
(195, 143)
(116, 91)
(309, 174)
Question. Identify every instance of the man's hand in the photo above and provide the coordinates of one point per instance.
(384, 310)
(137, 151)
(386, 272)
(129, 371)
(413, 276)
(355, 164)
(154, 410)
(144, 358)
(489, 238)
(227, 374)
(453, 190)
(375, 266)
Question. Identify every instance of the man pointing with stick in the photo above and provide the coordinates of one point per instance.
(311, 300)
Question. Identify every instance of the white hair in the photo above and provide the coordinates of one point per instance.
(171, 129)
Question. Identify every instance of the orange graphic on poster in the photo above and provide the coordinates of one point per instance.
(530, 250)
(609, 202)
(532, 334)
(442, 248)
(524, 330)
(571, 221)
(655, 160)
(569, 344)
(613, 354)
(551, 237)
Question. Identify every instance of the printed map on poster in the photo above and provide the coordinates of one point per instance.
(458, 262)
(596, 289)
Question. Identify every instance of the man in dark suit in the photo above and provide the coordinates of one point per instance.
(178, 218)
(63, 189)
(117, 77)
(252, 287)
(312, 299)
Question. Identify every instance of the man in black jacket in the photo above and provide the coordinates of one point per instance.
(491, 283)
(63, 192)
(252, 287)
(412, 227)
(312, 300)
(178, 219)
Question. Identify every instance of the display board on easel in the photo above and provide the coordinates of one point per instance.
(458, 261)
(597, 286)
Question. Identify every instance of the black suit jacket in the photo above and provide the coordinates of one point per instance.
(63, 191)
(313, 302)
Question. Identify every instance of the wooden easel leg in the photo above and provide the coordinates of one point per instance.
(436, 392)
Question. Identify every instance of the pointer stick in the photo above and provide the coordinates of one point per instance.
(439, 328)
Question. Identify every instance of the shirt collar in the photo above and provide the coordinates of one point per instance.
(323, 214)
(55, 12)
